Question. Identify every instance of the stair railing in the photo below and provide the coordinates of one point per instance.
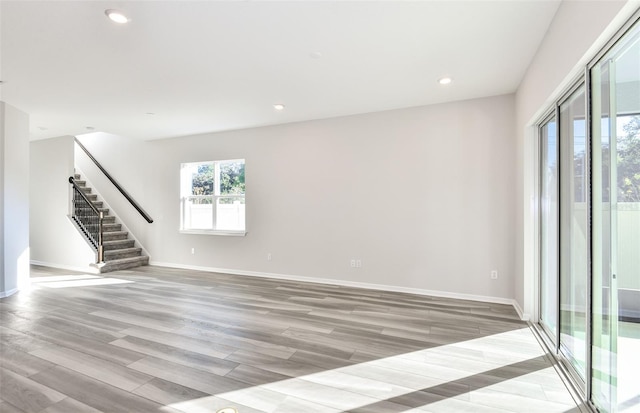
(88, 217)
(116, 184)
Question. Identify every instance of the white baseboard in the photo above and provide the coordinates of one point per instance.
(87, 269)
(523, 316)
(4, 294)
(330, 281)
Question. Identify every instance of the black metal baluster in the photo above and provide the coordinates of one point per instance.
(88, 218)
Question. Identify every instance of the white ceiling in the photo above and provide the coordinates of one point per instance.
(203, 66)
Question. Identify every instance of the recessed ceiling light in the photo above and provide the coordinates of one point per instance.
(278, 106)
(315, 55)
(445, 80)
(116, 16)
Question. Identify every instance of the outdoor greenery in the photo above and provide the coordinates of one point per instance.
(628, 170)
(629, 162)
(231, 180)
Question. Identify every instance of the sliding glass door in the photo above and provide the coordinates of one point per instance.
(590, 228)
(605, 318)
(574, 230)
(564, 230)
(615, 111)
(549, 227)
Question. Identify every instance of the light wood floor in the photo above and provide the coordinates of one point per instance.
(156, 339)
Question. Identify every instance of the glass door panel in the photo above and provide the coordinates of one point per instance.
(625, 219)
(603, 346)
(574, 230)
(549, 228)
(615, 112)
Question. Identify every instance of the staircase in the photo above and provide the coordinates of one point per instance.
(120, 252)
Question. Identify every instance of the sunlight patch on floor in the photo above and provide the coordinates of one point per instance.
(84, 280)
(37, 280)
(416, 373)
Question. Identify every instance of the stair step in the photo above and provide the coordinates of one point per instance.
(105, 210)
(76, 176)
(111, 226)
(98, 204)
(114, 235)
(123, 253)
(124, 263)
(81, 184)
(86, 190)
(118, 244)
(109, 219)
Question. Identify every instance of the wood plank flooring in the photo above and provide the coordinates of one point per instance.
(165, 340)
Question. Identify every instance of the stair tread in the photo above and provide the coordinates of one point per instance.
(123, 251)
(116, 241)
(124, 263)
(128, 259)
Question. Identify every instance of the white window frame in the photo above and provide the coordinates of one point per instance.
(186, 194)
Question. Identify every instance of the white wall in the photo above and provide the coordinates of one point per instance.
(3, 289)
(55, 241)
(578, 31)
(318, 194)
(14, 212)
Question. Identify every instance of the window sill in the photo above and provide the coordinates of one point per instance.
(225, 233)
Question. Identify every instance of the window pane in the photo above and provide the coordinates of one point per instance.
(549, 229)
(232, 177)
(230, 213)
(202, 179)
(198, 213)
(574, 229)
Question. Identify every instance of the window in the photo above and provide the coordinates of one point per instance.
(212, 197)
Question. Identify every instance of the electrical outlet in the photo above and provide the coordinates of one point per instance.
(269, 256)
(353, 263)
(494, 274)
(193, 251)
(358, 263)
